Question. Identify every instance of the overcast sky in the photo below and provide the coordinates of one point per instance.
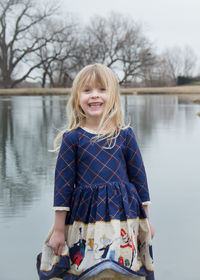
(167, 22)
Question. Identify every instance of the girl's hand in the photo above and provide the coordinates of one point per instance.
(151, 229)
(57, 239)
(57, 242)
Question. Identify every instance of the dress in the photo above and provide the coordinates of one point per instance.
(106, 226)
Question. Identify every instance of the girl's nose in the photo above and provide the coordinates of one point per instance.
(95, 93)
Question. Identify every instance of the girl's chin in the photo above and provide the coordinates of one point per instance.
(94, 114)
(95, 111)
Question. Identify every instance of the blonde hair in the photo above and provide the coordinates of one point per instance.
(112, 120)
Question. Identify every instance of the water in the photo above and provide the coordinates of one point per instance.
(168, 132)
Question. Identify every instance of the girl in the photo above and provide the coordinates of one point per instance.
(102, 227)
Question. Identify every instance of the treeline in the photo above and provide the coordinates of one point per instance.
(37, 44)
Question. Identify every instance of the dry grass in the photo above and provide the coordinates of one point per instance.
(162, 90)
(35, 91)
(179, 90)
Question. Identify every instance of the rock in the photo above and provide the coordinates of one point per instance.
(197, 101)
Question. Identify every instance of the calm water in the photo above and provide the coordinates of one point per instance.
(168, 132)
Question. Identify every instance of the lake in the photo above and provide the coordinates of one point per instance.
(168, 132)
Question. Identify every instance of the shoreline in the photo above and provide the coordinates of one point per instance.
(178, 90)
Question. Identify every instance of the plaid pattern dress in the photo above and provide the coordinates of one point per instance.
(106, 227)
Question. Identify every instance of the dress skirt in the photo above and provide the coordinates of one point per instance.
(120, 243)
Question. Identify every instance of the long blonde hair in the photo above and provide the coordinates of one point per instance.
(112, 120)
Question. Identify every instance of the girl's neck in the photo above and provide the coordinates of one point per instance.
(91, 125)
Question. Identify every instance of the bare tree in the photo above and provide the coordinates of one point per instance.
(56, 58)
(159, 74)
(117, 42)
(179, 61)
(189, 62)
(169, 65)
(20, 38)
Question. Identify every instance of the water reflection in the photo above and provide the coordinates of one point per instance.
(146, 113)
(168, 132)
(27, 134)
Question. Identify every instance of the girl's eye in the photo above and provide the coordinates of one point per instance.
(86, 90)
(102, 89)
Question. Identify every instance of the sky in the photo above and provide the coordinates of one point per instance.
(167, 23)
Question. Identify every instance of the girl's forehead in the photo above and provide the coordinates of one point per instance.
(92, 85)
(93, 81)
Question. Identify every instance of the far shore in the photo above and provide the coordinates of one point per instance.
(178, 90)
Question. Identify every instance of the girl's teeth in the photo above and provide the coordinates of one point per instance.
(95, 105)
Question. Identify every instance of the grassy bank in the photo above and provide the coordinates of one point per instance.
(34, 91)
(162, 90)
(131, 91)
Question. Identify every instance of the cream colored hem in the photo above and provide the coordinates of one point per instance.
(89, 130)
(58, 208)
(146, 203)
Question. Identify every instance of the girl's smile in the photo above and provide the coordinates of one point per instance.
(95, 104)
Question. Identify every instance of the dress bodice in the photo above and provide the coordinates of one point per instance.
(83, 162)
(96, 164)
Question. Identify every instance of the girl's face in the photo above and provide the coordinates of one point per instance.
(92, 100)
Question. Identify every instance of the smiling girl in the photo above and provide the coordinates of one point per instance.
(102, 227)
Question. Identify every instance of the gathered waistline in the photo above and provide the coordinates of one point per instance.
(103, 184)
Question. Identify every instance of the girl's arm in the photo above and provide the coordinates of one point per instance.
(135, 166)
(146, 209)
(137, 173)
(57, 239)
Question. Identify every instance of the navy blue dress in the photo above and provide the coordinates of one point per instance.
(103, 191)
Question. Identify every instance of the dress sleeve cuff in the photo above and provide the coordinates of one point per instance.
(61, 208)
(146, 203)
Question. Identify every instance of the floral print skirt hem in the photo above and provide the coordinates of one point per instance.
(123, 247)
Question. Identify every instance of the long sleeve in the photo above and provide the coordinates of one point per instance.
(65, 172)
(135, 167)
